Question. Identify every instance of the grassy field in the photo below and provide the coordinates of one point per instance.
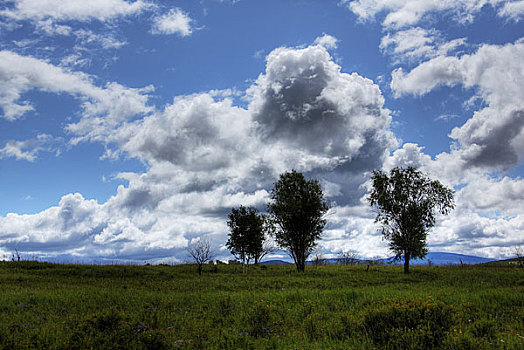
(52, 306)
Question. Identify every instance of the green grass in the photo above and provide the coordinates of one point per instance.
(52, 306)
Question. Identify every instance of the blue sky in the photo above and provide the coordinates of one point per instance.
(128, 129)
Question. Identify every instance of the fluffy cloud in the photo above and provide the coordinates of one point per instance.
(66, 226)
(173, 22)
(102, 107)
(29, 149)
(501, 197)
(205, 155)
(303, 102)
(48, 27)
(78, 10)
(328, 41)
(494, 136)
(513, 10)
(299, 116)
(195, 132)
(468, 231)
(416, 44)
(402, 13)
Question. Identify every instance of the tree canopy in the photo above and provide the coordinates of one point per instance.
(408, 201)
(246, 234)
(297, 208)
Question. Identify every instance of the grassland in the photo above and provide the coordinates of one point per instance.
(52, 306)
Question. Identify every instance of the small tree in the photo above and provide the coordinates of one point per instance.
(407, 201)
(201, 253)
(246, 235)
(18, 256)
(318, 259)
(297, 208)
(348, 258)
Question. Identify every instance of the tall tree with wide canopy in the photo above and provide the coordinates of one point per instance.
(297, 208)
(407, 201)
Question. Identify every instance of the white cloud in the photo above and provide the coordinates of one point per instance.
(414, 41)
(416, 44)
(402, 13)
(106, 41)
(468, 232)
(102, 108)
(513, 10)
(328, 41)
(206, 155)
(410, 155)
(493, 196)
(74, 60)
(50, 28)
(494, 136)
(79, 10)
(28, 150)
(302, 103)
(174, 22)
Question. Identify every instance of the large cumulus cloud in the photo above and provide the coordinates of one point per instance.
(319, 119)
(304, 101)
(204, 154)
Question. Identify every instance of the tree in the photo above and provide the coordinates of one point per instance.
(407, 201)
(246, 234)
(297, 208)
(201, 252)
(519, 254)
(318, 259)
(348, 258)
(268, 246)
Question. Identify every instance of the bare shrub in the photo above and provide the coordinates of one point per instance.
(201, 252)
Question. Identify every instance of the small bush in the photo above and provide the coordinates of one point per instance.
(484, 329)
(153, 340)
(259, 319)
(409, 324)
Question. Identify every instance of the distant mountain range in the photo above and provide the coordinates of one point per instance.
(440, 258)
(276, 262)
(436, 258)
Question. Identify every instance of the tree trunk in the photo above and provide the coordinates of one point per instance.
(406, 262)
(200, 269)
(301, 265)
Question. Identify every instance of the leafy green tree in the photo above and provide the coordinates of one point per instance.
(246, 234)
(407, 201)
(297, 208)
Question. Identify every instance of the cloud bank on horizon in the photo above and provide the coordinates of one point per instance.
(146, 122)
